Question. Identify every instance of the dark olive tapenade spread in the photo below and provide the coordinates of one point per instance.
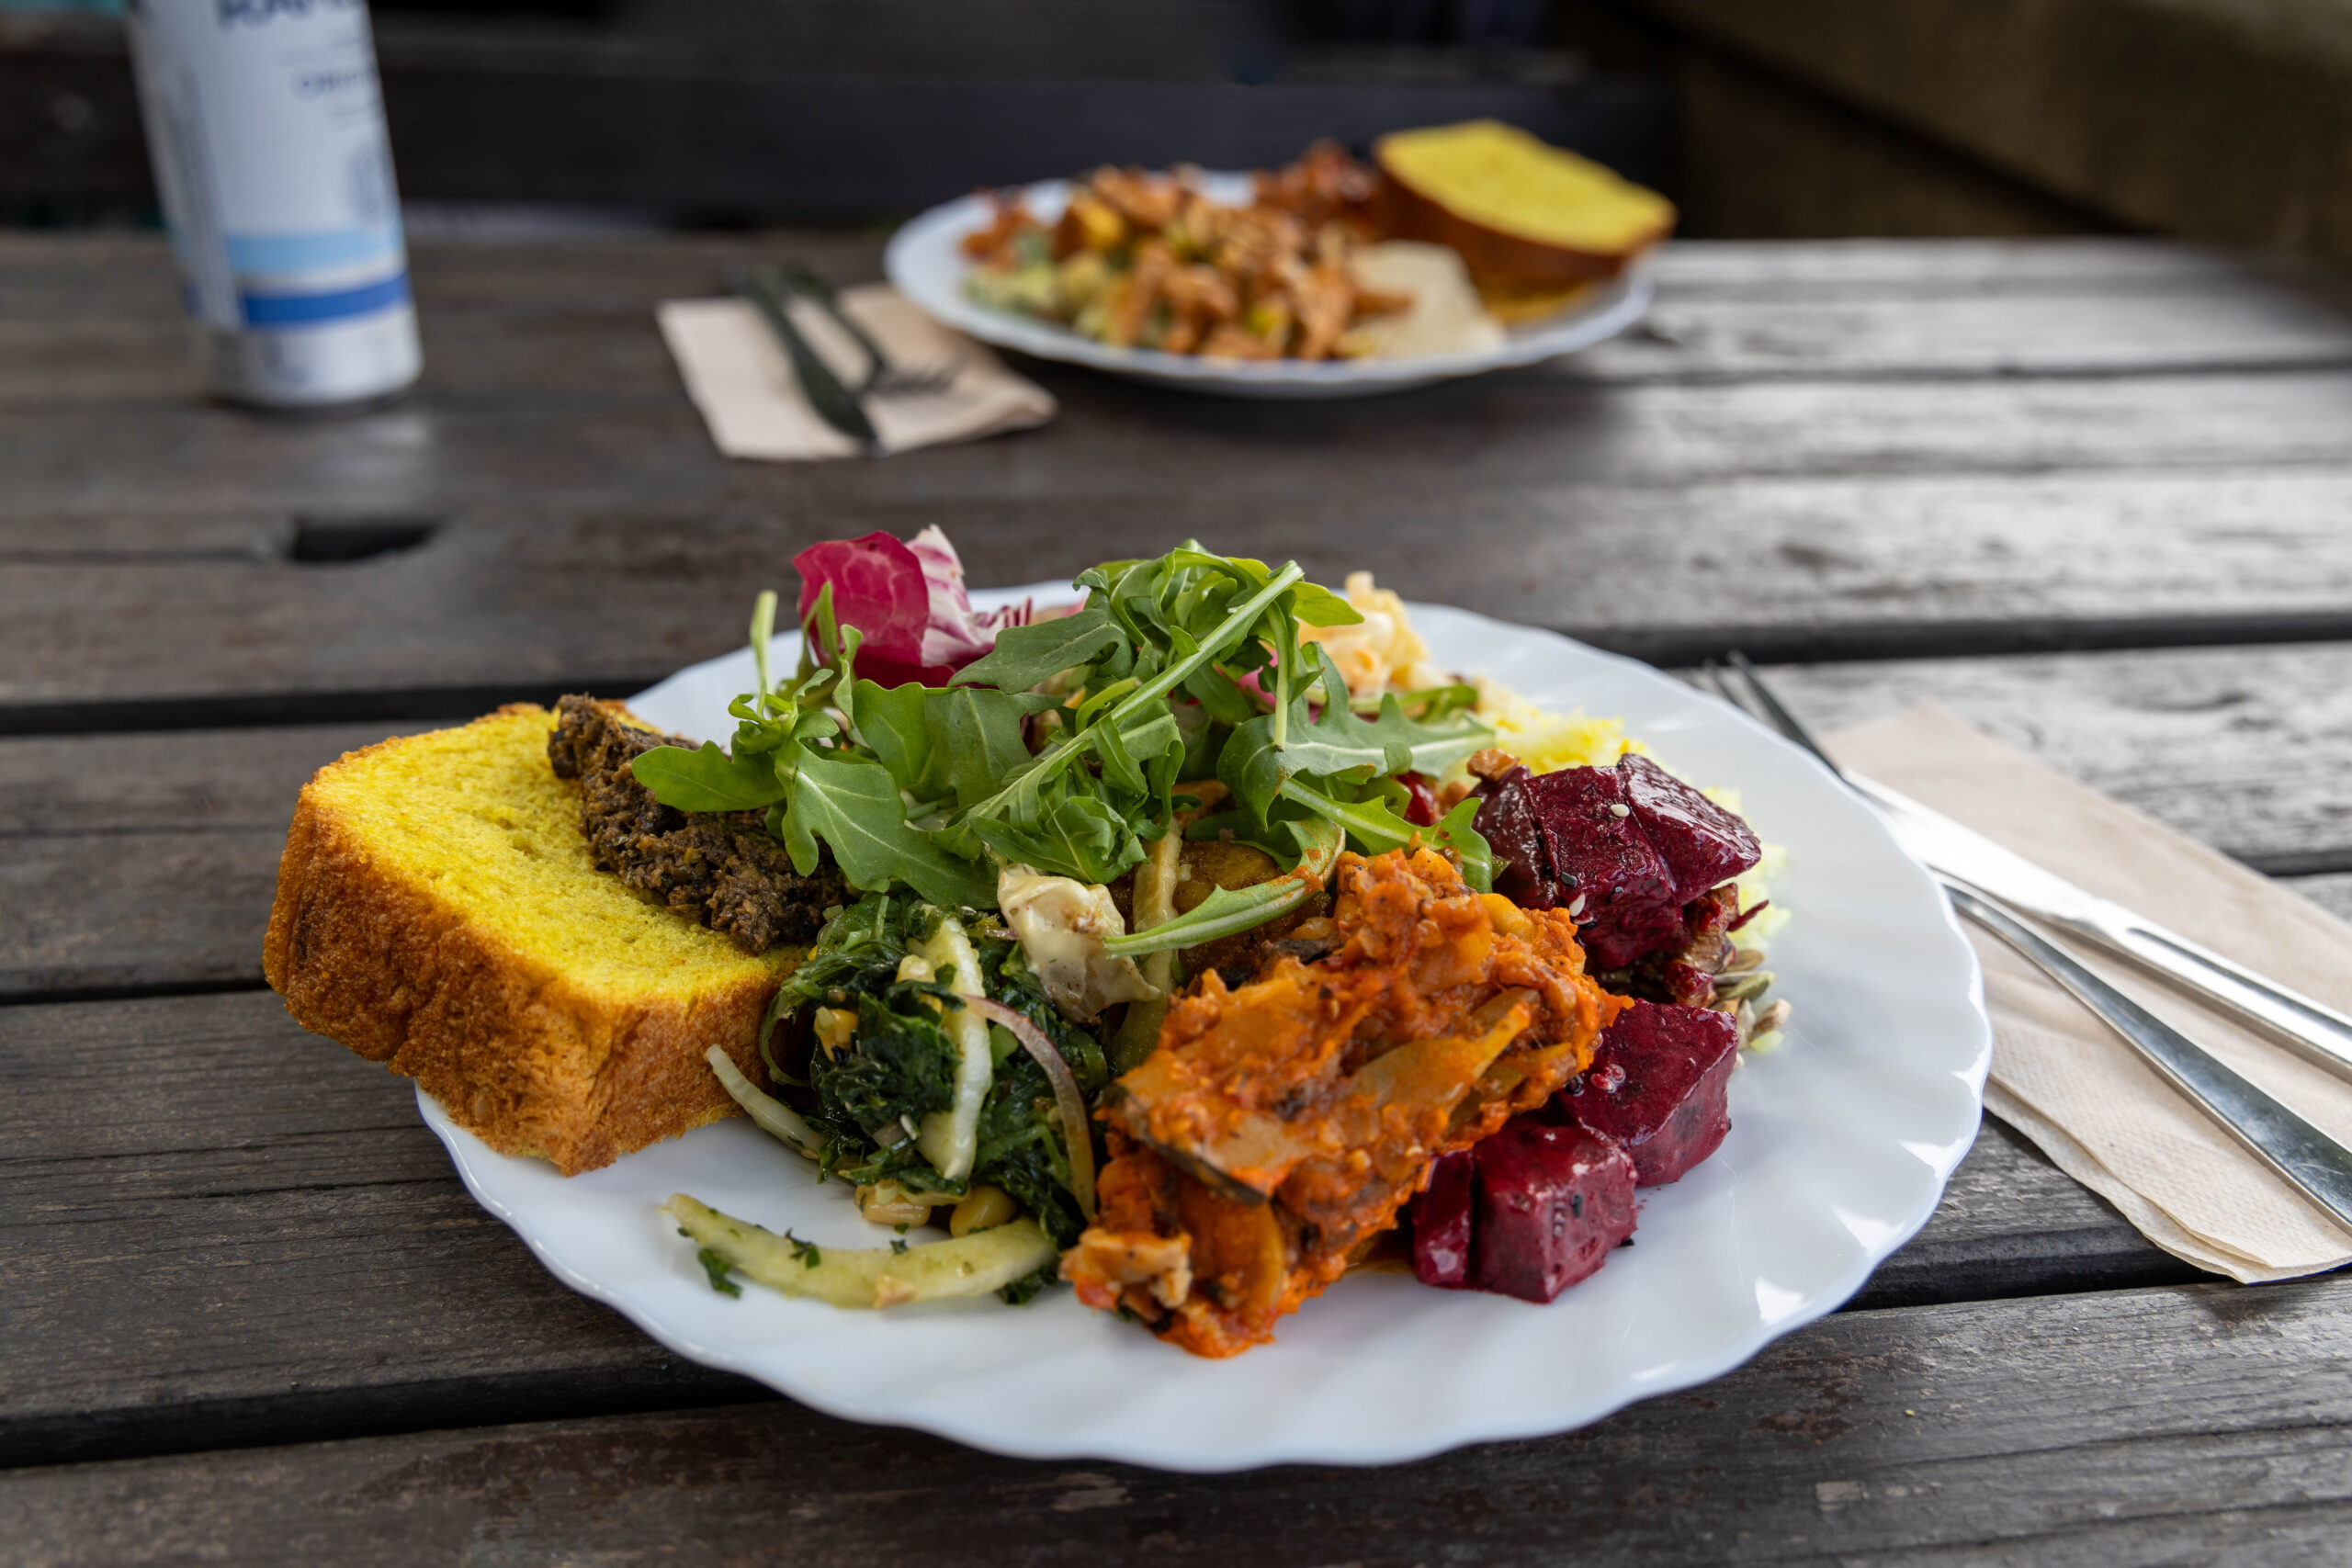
(721, 869)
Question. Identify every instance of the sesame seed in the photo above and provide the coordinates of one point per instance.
(1621, 811)
(1577, 908)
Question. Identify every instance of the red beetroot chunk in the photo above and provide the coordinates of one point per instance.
(1657, 1085)
(1701, 844)
(1441, 1223)
(1554, 1202)
(1600, 854)
(1506, 819)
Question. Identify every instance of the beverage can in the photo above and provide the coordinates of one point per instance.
(265, 124)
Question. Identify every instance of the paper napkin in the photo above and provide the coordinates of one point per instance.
(2061, 1077)
(741, 379)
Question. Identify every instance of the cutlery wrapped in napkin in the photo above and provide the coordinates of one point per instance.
(2061, 1078)
(739, 377)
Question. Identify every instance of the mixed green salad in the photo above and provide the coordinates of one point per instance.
(941, 1045)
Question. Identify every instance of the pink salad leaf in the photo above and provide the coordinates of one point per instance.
(907, 599)
(956, 634)
(879, 587)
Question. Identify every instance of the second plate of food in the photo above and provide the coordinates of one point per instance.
(1840, 1143)
(927, 263)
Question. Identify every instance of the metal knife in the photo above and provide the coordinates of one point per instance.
(2309, 1027)
(2319, 1166)
(834, 403)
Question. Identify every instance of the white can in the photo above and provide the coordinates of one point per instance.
(265, 123)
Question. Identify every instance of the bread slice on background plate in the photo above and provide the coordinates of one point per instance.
(1531, 221)
(437, 910)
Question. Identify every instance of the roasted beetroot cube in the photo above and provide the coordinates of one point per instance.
(1441, 1221)
(1657, 1086)
(1552, 1203)
(1506, 821)
(1701, 842)
(1599, 854)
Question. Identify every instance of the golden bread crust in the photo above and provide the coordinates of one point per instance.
(1501, 261)
(368, 952)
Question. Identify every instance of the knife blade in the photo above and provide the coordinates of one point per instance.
(2315, 1163)
(2312, 1028)
(833, 402)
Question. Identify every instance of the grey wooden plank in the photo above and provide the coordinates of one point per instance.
(588, 444)
(569, 337)
(2072, 265)
(519, 596)
(240, 1230)
(204, 782)
(2331, 891)
(220, 1229)
(589, 440)
(2216, 743)
(512, 316)
(143, 863)
(2166, 1425)
(103, 274)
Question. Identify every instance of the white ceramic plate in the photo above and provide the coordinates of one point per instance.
(1841, 1144)
(925, 264)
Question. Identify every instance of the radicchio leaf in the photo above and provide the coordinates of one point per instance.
(955, 634)
(878, 587)
(907, 599)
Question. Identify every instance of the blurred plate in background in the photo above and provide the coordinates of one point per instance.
(925, 262)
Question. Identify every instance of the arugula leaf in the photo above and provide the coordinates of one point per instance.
(1120, 769)
(707, 779)
(1339, 739)
(1078, 836)
(1373, 828)
(1456, 832)
(1019, 798)
(1230, 910)
(1370, 825)
(1432, 703)
(853, 805)
(976, 736)
(1251, 767)
(890, 722)
(1024, 656)
(1318, 606)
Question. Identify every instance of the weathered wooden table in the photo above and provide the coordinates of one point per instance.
(2094, 495)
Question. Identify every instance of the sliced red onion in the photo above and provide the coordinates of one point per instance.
(1069, 1103)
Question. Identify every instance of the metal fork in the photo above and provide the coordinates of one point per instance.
(2318, 1167)
(884, 377)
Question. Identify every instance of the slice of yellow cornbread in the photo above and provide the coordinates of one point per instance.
(437, 910)
(1528, 218)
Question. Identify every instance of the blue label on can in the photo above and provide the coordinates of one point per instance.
(282, 309)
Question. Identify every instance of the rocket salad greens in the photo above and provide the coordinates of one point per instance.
(941, 1040)
(1061, 748)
